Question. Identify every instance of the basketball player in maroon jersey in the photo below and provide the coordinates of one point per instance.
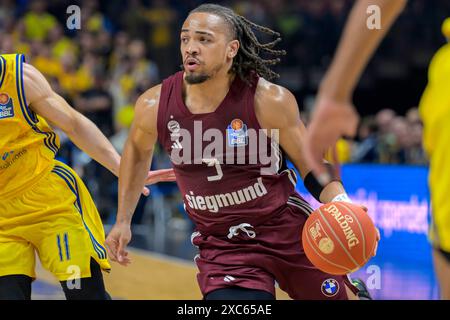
(247, 213)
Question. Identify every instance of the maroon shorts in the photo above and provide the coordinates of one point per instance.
(257, 257)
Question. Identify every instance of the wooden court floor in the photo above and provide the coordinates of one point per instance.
(149, 277)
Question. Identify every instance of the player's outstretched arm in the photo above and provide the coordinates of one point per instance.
(357, 46)
(276, 108)
(85, 134)
(136, 160)
(334, 115)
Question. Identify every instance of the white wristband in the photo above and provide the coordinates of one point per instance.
(342, 197)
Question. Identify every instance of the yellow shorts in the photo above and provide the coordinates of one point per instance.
(56, 218)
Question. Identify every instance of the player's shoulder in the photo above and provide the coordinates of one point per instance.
(269, 94)
(146, 108)
(30, 73)
(35, 84)
(149, 100)
(275, 105)
(152, 93)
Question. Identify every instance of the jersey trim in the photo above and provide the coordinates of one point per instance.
(2, 70)
(30, 116)
(71, 182)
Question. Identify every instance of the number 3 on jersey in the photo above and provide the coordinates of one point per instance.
(214, 163)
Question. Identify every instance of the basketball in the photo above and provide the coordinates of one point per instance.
(339, 238)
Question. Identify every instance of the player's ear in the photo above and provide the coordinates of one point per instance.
(233, 47)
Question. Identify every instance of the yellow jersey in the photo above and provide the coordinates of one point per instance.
(434, 110)
(27, 143)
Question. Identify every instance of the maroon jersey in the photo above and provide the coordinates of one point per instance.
(221, 159)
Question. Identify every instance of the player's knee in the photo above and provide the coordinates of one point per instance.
(15, 287)
(92, 288)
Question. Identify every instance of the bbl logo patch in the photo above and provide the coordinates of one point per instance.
(237, 133)
(6, 106)
(330, 288)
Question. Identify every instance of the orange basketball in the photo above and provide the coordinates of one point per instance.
(339, 238)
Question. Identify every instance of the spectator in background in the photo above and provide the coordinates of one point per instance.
(38, 22)
(7, 15)
(20, 41)
(96, 104)
(92, 19)
(74, 79)
(59, 43)
(385, 139)
(415, 152)
(160, 19)
(400, 141)
(45, 61)
(366, 148)
(143, 71)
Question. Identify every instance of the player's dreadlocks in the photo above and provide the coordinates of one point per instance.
(248, 57)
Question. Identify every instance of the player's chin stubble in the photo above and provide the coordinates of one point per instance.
(196, 78)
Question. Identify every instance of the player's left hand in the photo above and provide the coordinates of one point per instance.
(117, 241)
(163, 175)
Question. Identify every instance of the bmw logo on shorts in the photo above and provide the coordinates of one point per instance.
(330, 287)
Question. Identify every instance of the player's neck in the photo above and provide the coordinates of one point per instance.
(206, 97)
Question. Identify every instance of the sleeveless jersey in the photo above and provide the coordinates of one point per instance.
(221, 159)
(27, 143)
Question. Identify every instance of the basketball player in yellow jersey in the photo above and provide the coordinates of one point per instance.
(44, 205)
(434, 110)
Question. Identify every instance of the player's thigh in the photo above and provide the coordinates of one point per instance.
(16, 256)
(305, 282)
(67, 238)
(84, 204)
(293, 271)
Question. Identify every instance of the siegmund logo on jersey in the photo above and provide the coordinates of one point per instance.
(239, 141)
(6, 106)
(214, 202)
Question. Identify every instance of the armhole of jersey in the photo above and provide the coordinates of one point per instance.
(2, 70)
(29, 115)
(250, 104)
(251, 113)
(162, 110)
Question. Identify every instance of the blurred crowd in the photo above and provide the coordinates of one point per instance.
(125, 47)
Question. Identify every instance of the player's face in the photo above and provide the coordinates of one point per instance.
(206, 47)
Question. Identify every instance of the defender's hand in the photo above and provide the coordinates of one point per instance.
(330, 121)
(163, 175)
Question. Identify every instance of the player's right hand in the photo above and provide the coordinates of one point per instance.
(117, 241)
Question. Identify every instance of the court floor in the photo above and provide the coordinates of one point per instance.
(159, 277)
